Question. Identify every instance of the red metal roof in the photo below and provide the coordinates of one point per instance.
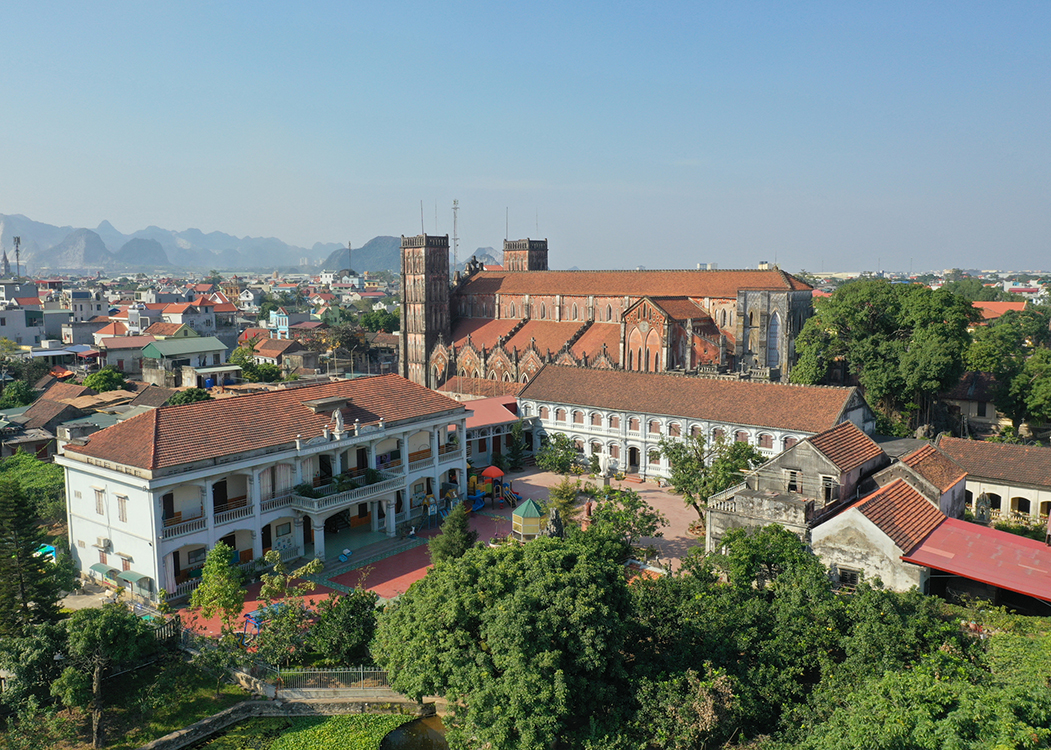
(998, 558)
(492, 411)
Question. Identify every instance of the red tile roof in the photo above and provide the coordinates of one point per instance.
(993, 310)
(174, 435)
(177, 308)
(251, 333)
(846, 446)
(125, 342)
(593, 339)
(722, 284)
(934, 466)
(61, 391)
(115, 328)
(902, 513)
(999, 558)
(44, 411)
(492, 411)
(483, 331)
(549, 335)
(680, 308)
(799, 408)
(164, 329)
(276, 347)
(1014, 464)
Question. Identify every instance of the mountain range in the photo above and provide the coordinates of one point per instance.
(49, 248)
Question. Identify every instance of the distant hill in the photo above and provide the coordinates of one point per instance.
(378, 254)
(81, 249)
(142, 253)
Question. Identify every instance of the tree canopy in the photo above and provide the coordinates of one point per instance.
(557, 454)
(29, 586)
(904, 342)
(701, 468)
(106, 379)
(189, 396)
(456, 536)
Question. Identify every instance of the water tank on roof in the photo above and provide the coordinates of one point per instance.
(209, 383)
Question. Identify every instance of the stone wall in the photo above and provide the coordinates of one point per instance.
(252, 709)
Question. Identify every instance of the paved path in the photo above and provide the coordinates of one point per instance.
(393, 575)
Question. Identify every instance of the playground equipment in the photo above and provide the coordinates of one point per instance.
(254, 622)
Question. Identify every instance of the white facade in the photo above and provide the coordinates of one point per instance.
(1010, 500)
(160, 524)
(629, 442)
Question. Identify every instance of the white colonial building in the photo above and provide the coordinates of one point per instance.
(621, 416)
(308, 471)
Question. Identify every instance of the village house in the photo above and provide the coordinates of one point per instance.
(148, 497)
(1007, 481)
(621, 416)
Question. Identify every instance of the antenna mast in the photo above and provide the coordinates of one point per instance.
(456, 237)
(18, 267)
(350, 266)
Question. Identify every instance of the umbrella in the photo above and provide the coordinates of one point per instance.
(493, 472)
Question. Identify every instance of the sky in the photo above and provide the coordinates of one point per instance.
(820, 136)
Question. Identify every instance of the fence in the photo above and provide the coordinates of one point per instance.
(347, 678)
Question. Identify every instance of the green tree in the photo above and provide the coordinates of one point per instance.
(189, 396)
(757, 557)
(525, 641)
(516, 451)
(30, 592)
(221, 591)
(106, 379)
(218, 657)
(42, 483)
(244, 357)
(284, 636)
(15, 394)
(267, 373)
(96, 640)
(700, 469)
(31, 663)
(346, 625)
(456, 538)
(625, 513)
(557, 454)
(904, 342)
(380, 320)
(563, 497)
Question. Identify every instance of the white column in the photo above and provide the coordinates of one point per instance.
(257, 512)
(206, 506)
(337, 463)
(390, 517)
(298, 464)
(298, 533)
(319, 538)
(374, 515)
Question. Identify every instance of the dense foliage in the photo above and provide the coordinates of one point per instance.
(41, 482)
(189, 396)
(903, 342)
(29, 586)
(15, 394)
(557, 454)
(545, 645)
(106, 379)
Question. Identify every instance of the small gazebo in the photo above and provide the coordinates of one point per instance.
(527, 521)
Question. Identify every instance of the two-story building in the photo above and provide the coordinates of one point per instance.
(288, 470)
(621, 416)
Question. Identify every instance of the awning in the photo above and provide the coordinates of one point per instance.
(88, 354)
(220, 368)
(131, 576)
(104, 570)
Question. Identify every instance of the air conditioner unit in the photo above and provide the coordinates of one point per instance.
(103, 543)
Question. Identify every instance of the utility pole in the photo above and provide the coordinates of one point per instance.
(456, 238)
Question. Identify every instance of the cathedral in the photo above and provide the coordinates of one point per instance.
(504, 325)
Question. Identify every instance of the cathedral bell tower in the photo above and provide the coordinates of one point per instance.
(424, 303)
(525, 255)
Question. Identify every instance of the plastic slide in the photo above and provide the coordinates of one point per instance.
(479, 503)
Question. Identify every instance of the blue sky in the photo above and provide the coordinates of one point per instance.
(838, 136)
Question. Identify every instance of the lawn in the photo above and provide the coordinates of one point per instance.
(351, 732)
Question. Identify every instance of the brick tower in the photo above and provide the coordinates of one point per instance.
(525, 255)
(424, 303)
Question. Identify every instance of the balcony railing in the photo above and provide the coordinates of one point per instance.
(452, 453)
(388, 482)
(183, 528)
(234, 514)
(276, 503)
(423, 463)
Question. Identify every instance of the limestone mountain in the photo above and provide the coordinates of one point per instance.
(139, 252)
(378, 254)
(81, 249)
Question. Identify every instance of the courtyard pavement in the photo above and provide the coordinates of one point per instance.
(393, 575)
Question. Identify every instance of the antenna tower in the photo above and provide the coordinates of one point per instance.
(18, 267)
(350, 267)
(456, 238)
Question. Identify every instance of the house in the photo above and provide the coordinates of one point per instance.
(201, 318)
(793, 489)
(149, 497)
(974, 399)
(124, 353)
(1009, 481)
(161, 331)
(179, 362)
(37, 426)
(933, 473)
(24, 327)
(489, 429)
(280, 352)
(84, 304)
(81, 332)
(993, 310)
(621, 415)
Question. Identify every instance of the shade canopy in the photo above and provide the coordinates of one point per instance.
(493, 472)
(103, 569)
(131, 576)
